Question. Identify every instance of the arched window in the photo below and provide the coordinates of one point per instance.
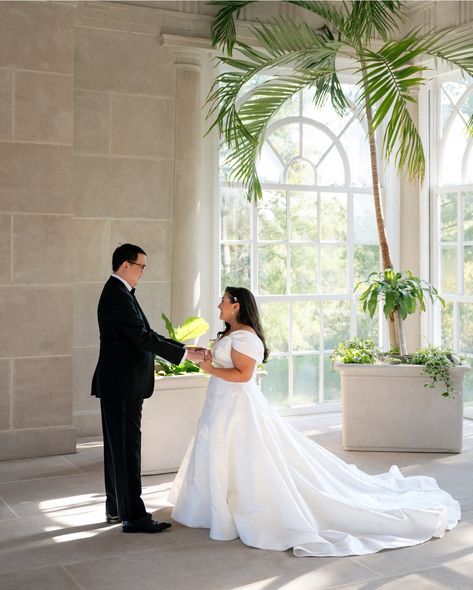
(452, 219)
(302, 248)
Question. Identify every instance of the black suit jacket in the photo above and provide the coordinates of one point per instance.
(125, 369)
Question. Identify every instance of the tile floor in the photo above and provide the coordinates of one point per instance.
(52, 534)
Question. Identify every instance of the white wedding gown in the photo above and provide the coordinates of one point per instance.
(249, 474)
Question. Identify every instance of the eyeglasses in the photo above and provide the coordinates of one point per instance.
(142, 266)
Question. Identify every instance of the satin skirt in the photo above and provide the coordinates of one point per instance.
(249, 474)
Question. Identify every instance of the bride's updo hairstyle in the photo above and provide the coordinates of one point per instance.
(248, 314)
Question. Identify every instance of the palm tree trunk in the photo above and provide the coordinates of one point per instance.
(383, 241)
(400, 335)
(394, 333)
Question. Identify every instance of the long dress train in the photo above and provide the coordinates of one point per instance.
(251, 475)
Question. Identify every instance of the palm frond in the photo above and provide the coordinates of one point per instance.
(223, 27)
(368, 16)
(246, 139)
(326, 10)
(388, 78)
(283, 43)
(283, 37)
(450, 45)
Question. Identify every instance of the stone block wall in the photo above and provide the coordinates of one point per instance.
(124, 87)
(86, 163)
(36, 228)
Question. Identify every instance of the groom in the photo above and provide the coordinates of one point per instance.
(124, 376)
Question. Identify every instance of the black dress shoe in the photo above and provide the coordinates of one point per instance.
(144, 525)
(112, 519)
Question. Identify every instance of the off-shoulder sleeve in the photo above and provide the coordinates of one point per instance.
(249, 344)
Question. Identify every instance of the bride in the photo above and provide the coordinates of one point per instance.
(249, 474)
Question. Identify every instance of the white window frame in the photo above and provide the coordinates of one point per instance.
(391, 206)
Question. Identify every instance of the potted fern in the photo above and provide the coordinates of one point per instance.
(170, 416)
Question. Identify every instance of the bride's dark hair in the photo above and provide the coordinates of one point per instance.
(248, 314)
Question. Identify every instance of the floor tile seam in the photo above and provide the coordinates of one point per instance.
(79, 562)
(412, 571)
(9, 508)
(44, 567)
(69, 574)
(371, 569)
(50, 477)
(68, 462)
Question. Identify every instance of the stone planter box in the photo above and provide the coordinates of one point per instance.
(387, 408)
(169, 421)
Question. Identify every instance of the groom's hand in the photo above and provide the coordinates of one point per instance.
(195, 354)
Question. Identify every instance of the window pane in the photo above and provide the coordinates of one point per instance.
(306, 325)
(303, 219)
(448, 269)
(448, 217)
(336, 322)
(469, 169)
(272, 270)
(235, 265)
(326, 113)
(315, 143)
(446, 106)
(331, 170)
(274, 385)
(364, 219)
(333, 261)
(466, 323)
(306, 380)
(300, 172)
(235, 218)
(357, 150)
(455, 88)
(286, 141)
(468, 216)
(269, 166)
(275, 320)
(468, 385)
(333, 212)
(331, 381)
(366, 261)
(367, 327)
(272, 216)
(453, 151)
(303, 269)
(468, 270)
(446, 323)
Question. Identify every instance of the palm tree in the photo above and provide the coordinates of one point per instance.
(296, 56)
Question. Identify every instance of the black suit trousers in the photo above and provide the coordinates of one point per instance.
(121, 425)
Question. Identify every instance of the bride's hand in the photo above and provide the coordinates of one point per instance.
(206, 364)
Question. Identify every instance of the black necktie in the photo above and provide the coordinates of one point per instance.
(133, 291)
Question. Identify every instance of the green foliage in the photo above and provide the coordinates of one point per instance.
(402, 292)
(438, 363)
(388, 75)
(192, 327)
(358, 351)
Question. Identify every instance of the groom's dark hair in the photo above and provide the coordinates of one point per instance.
(125, 252)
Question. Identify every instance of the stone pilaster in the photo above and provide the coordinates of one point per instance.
(190, 247)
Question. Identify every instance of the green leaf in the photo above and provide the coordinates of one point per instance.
(223, 27)
(169, 326)
(193, 327)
